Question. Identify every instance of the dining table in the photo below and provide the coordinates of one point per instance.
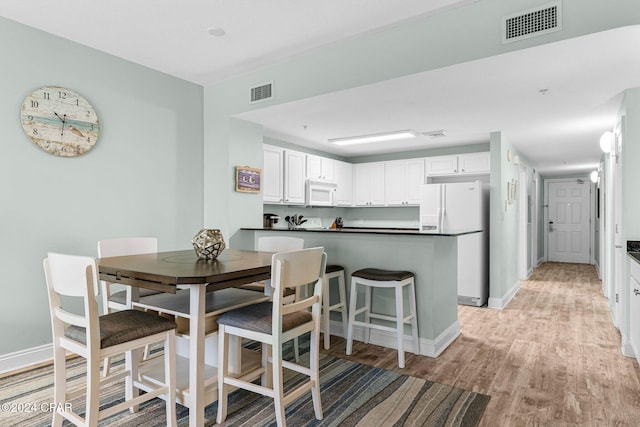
(203, 288)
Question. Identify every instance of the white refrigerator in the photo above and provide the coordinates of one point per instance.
(460, 207)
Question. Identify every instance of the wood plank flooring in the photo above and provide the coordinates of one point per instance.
(551, 358)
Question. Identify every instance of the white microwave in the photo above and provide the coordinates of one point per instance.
(320, 193)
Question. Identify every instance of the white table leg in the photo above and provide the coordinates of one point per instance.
(196, 355)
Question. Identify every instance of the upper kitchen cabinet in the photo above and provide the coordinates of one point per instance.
(320, 168)
(461, 164)
(272, 174)
(402, 180)
(368, 184)
(344, 179)
(294, 177)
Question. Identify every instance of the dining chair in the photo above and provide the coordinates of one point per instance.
(96, 337)
(279, 244)
(122, 300)
(273, 323)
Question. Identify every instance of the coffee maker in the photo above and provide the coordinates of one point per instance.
(269, 220)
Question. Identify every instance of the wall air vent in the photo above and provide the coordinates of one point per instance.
(262, 92)
(532, 22)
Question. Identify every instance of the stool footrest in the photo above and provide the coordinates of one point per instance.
(374, 326)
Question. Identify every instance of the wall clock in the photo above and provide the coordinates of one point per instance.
(60, 121)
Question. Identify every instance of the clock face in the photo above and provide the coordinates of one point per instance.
(60, 121)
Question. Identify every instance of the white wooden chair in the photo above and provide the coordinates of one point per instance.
(95, 337)
(122, 300)
(273, 323)
(279, 244)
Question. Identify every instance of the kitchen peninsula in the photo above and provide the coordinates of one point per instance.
(433, 258)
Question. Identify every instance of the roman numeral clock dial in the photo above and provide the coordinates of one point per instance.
(60, 121)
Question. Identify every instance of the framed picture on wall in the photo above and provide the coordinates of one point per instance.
(248, 179)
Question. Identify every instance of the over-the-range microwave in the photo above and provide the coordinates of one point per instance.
(320, 193)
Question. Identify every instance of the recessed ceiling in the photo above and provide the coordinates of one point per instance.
(552, 101)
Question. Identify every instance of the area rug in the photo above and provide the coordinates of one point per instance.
(352, 395)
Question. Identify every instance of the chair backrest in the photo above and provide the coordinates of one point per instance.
(75, 276)
(297, 268)
(279, 243)
(122, 247)
(127, 246)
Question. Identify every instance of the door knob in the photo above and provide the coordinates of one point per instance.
(551, 226)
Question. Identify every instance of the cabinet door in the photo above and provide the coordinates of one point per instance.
(413, 179)
(272, 174)
(376, 176)
(314, 167)
(294, 176)
(634, 307)
(327, 168)
(442, 165)
(361, 184)
(474, 163)
(344, 179)
(394, 183)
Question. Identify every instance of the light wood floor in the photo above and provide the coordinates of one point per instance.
(551, 358)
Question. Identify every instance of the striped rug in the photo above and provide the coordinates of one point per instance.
(352, 395)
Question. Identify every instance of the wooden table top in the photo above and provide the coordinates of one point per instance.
(165, 270)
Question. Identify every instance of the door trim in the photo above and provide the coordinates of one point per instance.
(591, 210)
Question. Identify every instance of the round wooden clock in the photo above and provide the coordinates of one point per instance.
(60, 121)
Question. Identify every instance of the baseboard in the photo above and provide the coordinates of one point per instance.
(24, 358)
(529, 272)
(500, 303)
(431, 348)
(540, 261)
(597, 266)
(627, 349)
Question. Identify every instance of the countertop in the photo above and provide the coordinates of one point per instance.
(633, 249)
(396, 231)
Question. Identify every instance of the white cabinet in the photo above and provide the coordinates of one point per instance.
(272, 174)
(368, 184)
(344, 179)
(634, 307)
(462, 164)
(474, 163)
(402, 179)
(320, 168)
(294, 177)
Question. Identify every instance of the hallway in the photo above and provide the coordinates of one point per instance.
(552, 357)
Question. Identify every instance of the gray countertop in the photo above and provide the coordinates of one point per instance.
(397, 231)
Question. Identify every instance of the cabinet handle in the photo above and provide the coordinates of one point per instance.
(461, 170)
(635, 291)
(455, 170)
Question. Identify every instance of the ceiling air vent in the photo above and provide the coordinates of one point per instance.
(532, 22)
(262, 92)
(434, 133)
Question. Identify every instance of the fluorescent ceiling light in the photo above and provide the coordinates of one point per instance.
(377, 137)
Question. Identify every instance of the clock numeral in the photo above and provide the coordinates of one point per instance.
(45, 95)
(89, 139)
(62, 95)
(34, 131)
(30, 117)
(34, 104)
(88, 113)
(77, 102)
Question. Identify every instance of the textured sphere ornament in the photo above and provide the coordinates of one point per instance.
(208, 243)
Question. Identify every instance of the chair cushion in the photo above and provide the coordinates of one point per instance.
(123, 326)
(332, 268)
(259, 287)
(121, 296)
(382, 275)
(257, 317)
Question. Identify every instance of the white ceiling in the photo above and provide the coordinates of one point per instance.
(558, 132)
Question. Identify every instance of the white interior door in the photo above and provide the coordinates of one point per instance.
(569, 219)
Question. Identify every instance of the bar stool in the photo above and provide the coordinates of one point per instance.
(375, 278)
(333, 271)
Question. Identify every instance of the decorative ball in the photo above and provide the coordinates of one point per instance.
(208, 243)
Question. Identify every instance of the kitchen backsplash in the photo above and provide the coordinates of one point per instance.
(379, 217)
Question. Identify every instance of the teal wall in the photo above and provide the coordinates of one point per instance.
(142, 178)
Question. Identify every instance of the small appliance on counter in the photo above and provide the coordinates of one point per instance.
(269, 220)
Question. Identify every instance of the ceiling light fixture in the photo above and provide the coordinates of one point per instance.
(376, 137)
(606, 141)
(594, 176)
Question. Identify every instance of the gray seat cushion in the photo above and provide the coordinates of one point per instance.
(257, 317)
(123, 326)
(382, 275)
(121, 296)
(332, 268)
